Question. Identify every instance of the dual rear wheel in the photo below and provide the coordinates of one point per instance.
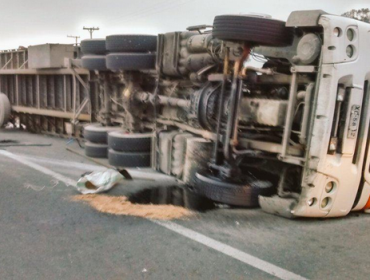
(96, 136)
(131, 52)
(94, 54)
(129, 150)
(119, 53)
(121, 149)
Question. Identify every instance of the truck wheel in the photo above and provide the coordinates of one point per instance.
(94, 62)
(131, 43)
(5, 109)
(96, 150)
(194, 201)
(256, 30)
(130, 61)
(123, 159)
(96, 133)
(237, 194)
(93, 46)
(123, 142)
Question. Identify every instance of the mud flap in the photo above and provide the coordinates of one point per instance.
(278, 206)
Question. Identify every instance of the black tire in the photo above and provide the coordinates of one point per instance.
(130, 61)
(194, 201)
(237, 194)
(256, 30)
(5, 109)
(123, 142)
(94, 62)
(96, 150)
(122, 159)
(96, 133)
(93, 46)
(131, 43)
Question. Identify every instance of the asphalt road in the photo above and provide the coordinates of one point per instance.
(45, 235)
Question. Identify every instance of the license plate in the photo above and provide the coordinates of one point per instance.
(354, 121)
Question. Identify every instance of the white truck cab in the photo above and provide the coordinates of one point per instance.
(336, 165)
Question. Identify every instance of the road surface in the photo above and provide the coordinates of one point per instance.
(45, 235)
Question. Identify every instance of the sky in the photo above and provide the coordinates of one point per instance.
(31, 22)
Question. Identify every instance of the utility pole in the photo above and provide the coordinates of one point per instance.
(91, 30)
(75, 37)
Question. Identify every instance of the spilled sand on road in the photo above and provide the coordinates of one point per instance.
(120, 205)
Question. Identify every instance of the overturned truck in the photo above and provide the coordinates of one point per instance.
(288, 132)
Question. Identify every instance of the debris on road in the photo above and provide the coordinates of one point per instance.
(120, 205)
(99, 181)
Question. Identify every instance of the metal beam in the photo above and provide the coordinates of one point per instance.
(290, 114)
(77, 75)
(82, 106)
(49, 113)
(23, 64)
(10, 60)
(63, 71)
(85, 102)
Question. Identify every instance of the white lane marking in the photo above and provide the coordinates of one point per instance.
(64, 163)
(230, 251)
(143, 174)
(59, 177)
(191, 234)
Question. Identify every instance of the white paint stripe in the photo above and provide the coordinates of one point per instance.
(139, 174)
(64, 163)
(193, 235)
(230, 251)
(40, 168)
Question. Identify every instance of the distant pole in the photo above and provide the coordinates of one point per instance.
(91, 30)
(75, 37)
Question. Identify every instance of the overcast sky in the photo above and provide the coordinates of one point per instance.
(30, 22)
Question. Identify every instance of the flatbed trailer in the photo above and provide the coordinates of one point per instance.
(46, 88)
